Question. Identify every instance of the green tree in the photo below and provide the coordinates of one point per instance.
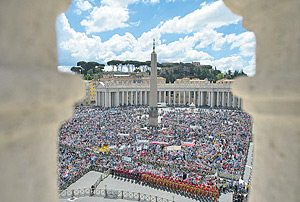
(90, 72)
(220, 76)
(76, 70)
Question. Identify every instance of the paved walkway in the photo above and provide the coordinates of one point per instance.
(90, 178)
(248, 167)
(86, 181)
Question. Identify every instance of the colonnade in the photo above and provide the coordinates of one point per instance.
(213, 97)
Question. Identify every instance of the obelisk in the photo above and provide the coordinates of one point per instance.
(153, 112)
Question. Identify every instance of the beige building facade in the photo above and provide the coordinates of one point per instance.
(116, 92)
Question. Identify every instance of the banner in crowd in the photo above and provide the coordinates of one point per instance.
(122, 134)
(171, 148)
(189, 144)
(124, 158)
(143, 141)
(160, 143)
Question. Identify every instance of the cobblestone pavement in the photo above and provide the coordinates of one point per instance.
(90, 178)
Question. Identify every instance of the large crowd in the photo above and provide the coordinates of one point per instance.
(197, 145)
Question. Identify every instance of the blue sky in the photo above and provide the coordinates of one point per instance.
(185, 31)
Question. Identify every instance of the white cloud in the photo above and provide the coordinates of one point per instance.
(200, 25)
(118, 3)
(244, 41)
(106, 18)
(208, 37)
(182, 50)
(66, 69)
(203, 4)
(137, 23)
(151, 1)
(250, 69)
(83, 5)
(209, 16)
(233, 63)
(78, 44)
(77, 11)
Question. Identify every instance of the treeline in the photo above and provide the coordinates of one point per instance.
(88, 69)
(130, 65)
(169, 71)
(173, 71)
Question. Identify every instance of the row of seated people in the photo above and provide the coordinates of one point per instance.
(196, 191)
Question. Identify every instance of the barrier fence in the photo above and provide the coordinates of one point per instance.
(83, 172)
(101, 178)
(111, 194)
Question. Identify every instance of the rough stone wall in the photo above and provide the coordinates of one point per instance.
(32, 99)
(33, 102)
(272, 96)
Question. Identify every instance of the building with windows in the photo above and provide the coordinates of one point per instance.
(92, 91)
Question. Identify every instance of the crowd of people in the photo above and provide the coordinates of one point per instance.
(199, 144)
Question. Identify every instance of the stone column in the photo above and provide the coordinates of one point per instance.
(136, 97)
(97, 96)
(194, 98)
(179, 97)
(212, 99)
(272, 97)
(146, 97)
(123, 98)
(223, 99)
(174, 97)
(189, 97)
(106, 98)
(184, 101)
(169, 96)
(159, 96)
(103, 99)
(229, 99)
(141, 97)
(164, 96)
(109, 99)
(35, 99)
(117, 103)
(131, 97)
(218, 99)
(239, 102)
(100, 98)
(199, 98)
(209, 98)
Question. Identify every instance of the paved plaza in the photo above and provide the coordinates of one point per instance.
(111, 183)
(86, 181)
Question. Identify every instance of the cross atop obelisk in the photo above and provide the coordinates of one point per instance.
(153, 45)
(153, 112)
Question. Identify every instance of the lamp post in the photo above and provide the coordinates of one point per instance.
(105, 192)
